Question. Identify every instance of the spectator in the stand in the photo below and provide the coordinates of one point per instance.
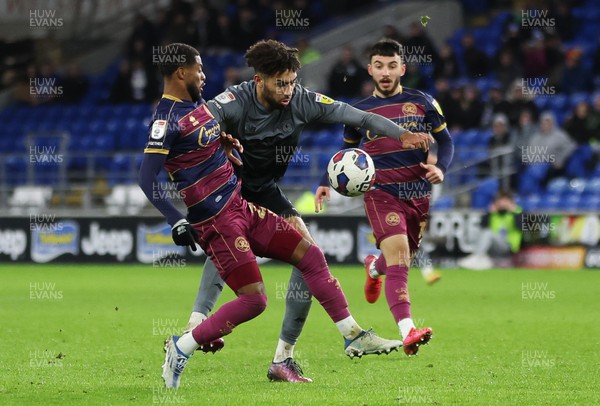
(507, 68)
(501, 135)
(446, 65)
(500, 236)
(581, 125)
(575, 77)
(135, 83)
(226, 35)
(139, 50)
(391, 32)
(495, 104)
(347, 75)
(470, 108)
(452, 110)
(595, 118)
(306, 52)
(550, 144)
(564, 22)
(367, 89)
(418, 43)
(121, 90)
(519, 100)
(534, 56)
(523, 131)
(75, 84)
(442, 93)
(476, 61)
(144, 85)
(512, 40)
(500, 141)
(596, 64)
(231, 77)
(413, 77)
(248, 30)
(182, 30)
(144, 32)
(555, 59)
(204, 23)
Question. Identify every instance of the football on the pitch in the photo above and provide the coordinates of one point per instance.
(351, 172)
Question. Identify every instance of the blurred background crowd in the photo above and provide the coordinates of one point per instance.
(519, 84)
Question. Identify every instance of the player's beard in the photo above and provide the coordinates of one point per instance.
(390, 90)
(273, 104)
(194, 92)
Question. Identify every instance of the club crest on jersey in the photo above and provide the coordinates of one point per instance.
(392, 219)
(241, 244)
(225, 97)
(321, 98)
(159, 128)
(409, 109)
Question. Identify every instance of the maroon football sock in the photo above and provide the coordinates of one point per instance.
(230, 315)
(322, 284)
(396, 291)
(380, 265)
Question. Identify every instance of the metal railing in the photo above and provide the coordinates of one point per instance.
(86, 181)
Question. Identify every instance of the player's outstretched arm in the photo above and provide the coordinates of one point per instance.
(154, 190)
(380, 125)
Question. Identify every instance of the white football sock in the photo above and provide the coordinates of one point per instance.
(187, 344)
(349, 327)
(405, 326)
(197, 318)
(284, 351)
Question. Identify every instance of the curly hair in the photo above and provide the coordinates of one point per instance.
(272, 57)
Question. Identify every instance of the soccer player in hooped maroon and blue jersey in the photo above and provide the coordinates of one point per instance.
(397, 205)
(186, 140)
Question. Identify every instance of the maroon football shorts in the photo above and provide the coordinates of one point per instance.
(243, 229)
(392, 216)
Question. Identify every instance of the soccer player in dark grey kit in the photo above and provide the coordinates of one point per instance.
(267, 115)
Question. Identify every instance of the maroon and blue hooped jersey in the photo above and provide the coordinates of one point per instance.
(398, 171)
(190, 137)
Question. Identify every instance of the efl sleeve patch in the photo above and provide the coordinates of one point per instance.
(159, 129)
(321, 98)
(225, 97)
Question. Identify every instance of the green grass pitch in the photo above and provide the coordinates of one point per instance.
(83, 334)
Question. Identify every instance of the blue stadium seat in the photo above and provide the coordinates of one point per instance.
(484, 194)
(443, 203)
(531, 202)
(559, 186)
(557, 102)
(550, 201)
(578, 163)
(16, 170)
(590, 204)
(530, 181)
(571, 202)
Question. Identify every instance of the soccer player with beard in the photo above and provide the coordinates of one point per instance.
(267, 115)
(186, 140)
(398, 204)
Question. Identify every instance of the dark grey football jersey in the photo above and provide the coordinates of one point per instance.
(270, 137)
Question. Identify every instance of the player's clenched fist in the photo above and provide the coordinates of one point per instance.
(416, 140)
(184, 234)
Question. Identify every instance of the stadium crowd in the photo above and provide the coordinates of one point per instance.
(499, 75)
